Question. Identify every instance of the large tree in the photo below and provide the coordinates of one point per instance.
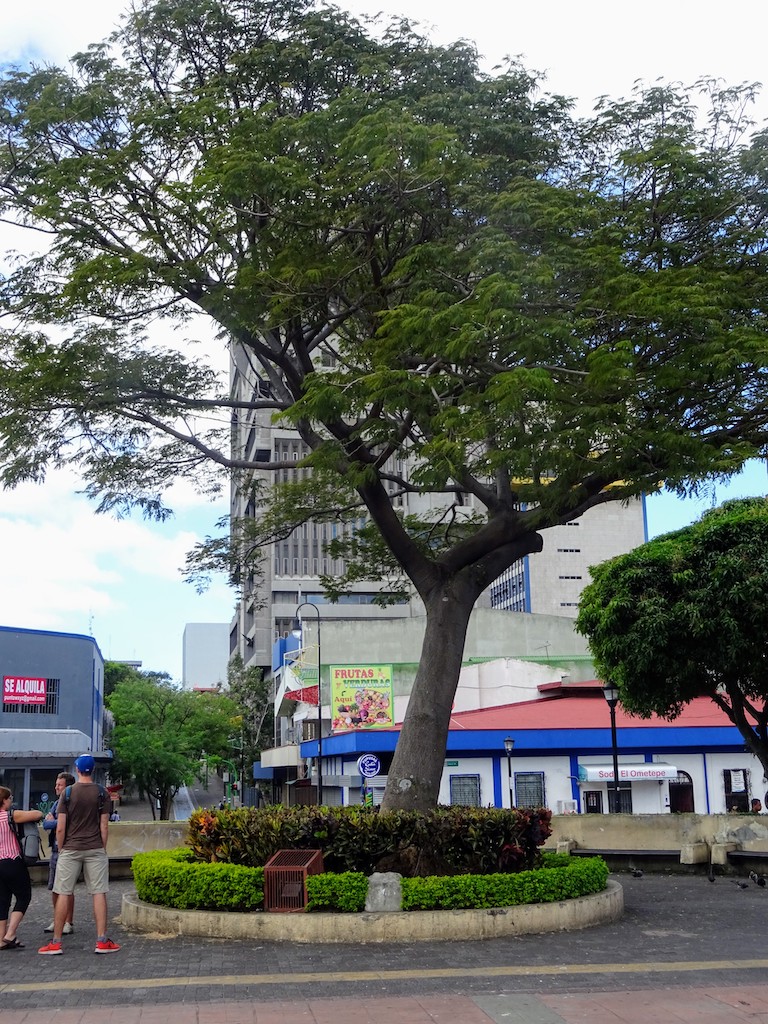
(447, 286)
(686, 615)
(161, 734)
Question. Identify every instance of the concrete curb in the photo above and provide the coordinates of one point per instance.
(422, 926)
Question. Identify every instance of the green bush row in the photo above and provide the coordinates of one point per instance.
(445, 841)
(173, 878)
(580, 877)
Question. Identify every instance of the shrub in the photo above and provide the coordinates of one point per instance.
(448, 840)
(173, 878)
(579, 877)
(346, 892)
(547, 885)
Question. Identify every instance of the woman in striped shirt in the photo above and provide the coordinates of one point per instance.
(14, 874)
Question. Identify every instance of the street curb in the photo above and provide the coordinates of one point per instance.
(412, 926)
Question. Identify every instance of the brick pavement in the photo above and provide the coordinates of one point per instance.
(685, 950)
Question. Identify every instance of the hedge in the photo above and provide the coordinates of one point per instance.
(172, 878)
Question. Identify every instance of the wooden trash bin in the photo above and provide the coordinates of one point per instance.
(285, 878)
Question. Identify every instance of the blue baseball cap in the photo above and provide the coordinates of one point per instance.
(85, 764)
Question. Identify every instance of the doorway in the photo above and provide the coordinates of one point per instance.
(681, 794)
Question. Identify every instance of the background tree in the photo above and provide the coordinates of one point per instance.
(253, 696)
(448, 287)
(160, 734)
(118, 672)
(686, 615)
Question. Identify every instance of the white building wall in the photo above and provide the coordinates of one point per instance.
(205, 654)
(560, 571)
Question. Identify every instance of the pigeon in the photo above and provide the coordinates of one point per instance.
(757, 879)
(637, 873)
(741, 884)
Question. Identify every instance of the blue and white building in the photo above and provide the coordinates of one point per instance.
(52, 709)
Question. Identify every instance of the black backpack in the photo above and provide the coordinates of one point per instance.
(28, 838)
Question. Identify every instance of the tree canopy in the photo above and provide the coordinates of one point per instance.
(161, 732)
(448, 286)
(686, 615)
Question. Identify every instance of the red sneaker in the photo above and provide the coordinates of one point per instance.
(52, 949)
(107, 946)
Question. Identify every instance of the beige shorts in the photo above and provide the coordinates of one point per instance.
(94, 865)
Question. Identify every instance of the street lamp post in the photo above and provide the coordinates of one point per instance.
(509, 746)
(316, 610)
(611, 694)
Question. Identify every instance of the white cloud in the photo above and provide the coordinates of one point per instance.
(49, 30)
(68, 569)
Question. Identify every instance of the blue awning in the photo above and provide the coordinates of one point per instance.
(261, 773)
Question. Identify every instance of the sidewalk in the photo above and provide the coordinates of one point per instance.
(685, 951)
(131, 808)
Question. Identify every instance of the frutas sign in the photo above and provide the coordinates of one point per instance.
(23, 690)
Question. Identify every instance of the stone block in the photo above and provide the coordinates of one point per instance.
(384, 893)
(720, 852)
(694, 853)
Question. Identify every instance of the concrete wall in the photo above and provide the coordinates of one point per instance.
(560, 571)
(659, 831)
(205, 650)
(591, 831)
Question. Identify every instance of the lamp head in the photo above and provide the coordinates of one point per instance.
(611, 694)
(509, 744)
(296, 629)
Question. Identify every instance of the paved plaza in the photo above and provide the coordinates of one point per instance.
(686, 950)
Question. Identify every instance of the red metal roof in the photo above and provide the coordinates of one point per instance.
(581, 711)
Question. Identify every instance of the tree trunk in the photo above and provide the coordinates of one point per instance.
(417, 766)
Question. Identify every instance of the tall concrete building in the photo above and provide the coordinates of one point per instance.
(288, 573)
(205, 654)
(551, 581)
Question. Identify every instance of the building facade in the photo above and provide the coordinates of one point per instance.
(288, 571)
(562, 758)
(52, 709)
(205, 655)
(551, 581)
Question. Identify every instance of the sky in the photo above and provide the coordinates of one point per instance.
(66, 568)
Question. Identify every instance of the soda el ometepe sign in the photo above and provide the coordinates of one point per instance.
(23, 690)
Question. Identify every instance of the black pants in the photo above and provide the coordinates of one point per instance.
(14, 881)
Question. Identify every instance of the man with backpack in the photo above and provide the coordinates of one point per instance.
(81, 833)
(63, 779)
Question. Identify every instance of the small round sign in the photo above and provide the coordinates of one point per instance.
(368, 765)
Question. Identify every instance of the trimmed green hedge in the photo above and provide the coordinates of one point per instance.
(172, 878)
(580, 877)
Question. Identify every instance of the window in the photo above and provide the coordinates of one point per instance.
(529, 789)
(465, 790)
(736, 788)
(593, 801)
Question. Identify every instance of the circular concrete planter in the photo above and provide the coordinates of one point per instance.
(406, 926)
